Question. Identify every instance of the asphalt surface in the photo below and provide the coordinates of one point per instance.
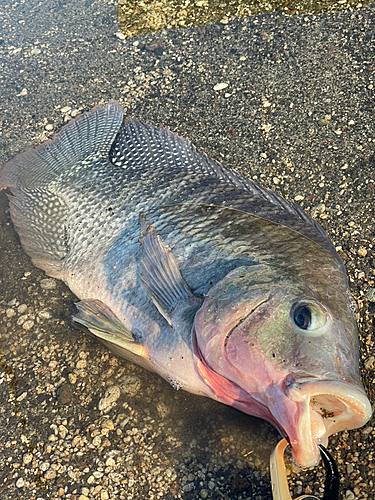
(297, 116)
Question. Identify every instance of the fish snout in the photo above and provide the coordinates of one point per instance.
(321, 408)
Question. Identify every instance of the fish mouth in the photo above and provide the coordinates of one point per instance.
(322, 407)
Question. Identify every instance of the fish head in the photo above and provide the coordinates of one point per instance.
(272, 346)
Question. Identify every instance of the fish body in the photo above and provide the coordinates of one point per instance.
(222, 287)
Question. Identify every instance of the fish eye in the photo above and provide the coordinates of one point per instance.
(308, 316)
(302, 317)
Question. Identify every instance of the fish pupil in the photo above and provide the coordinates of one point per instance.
(302, 317)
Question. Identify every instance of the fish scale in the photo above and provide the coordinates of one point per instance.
(219, 285)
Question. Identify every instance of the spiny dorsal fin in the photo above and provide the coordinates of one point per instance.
(141, 146)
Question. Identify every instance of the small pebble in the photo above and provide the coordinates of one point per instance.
(111, 396)
(27, 458)
(82, 363)
(97, 441)
(131, 385)
(370, 363)
(27, 325)
(362, 252)
(370, 295)
(299, 197)
(120, 35)
(50, 474)
(22, 308)
(220, 86)
(22, 319)
(65, 109)
(75, 441)
(10, 312)
(20, 483)
(49, 127)
(349, 495)
(44, 314)
(64, 394)
(48, 284)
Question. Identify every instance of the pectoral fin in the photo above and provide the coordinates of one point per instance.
(103, 323)
(160, 275)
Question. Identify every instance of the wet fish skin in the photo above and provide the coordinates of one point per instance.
(192, 271)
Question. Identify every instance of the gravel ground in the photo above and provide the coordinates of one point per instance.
(296, 114)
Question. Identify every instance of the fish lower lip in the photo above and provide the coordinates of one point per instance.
(324, 407)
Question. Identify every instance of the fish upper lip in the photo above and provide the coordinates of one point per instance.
(323, 408)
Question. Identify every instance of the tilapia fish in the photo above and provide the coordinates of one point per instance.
(221, 286)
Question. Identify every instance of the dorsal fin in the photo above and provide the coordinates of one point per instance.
(140, 147)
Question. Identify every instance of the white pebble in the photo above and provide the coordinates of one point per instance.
(22, 308)
(97, 441)
(27, 458)
(65, 109)
(44, 314)
(48, 284)
(111, 396)
(10, 312)
(50, 474)
(82, 363)
(220, 86)
(28, 324)
(20, 483)
(131, 385)
(22, 319)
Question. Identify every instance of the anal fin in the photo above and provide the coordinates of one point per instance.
(104, 324)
